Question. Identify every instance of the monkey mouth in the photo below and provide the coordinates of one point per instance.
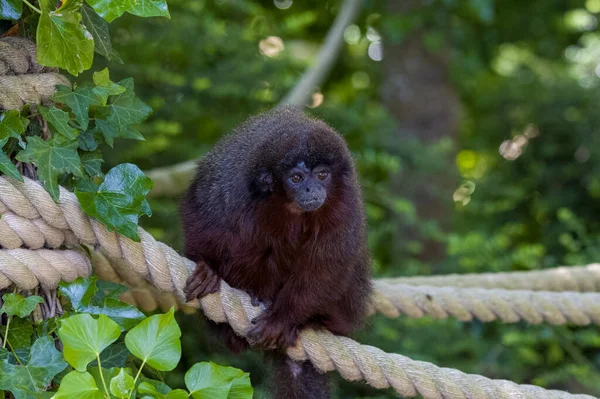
(299, 208)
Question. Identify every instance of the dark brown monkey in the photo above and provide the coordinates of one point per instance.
(276, 210)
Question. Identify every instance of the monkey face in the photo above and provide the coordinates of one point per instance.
(308, 187)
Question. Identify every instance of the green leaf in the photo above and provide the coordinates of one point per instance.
(52, 159)
(210, 380)
(62, 41)
(19, 333)
(153, 388)
(108, 375)
(92, 163)
(78, 385)
(122, 385)
(6, 166)
(17, 305)
(114, 356)
(79, 100)
(109, 131)
(156, 341)
(124, 109)
(45, 356)
(107, 87)
(60, 120)
(12, 124)
(100, 32)
(81, 292)
(88, 140)
(120, 199)
(11, 9)
(84, 338)
(44, 363)
(110, 10)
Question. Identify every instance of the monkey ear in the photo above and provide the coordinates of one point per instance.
(265, 181)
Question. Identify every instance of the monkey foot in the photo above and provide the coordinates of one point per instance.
(202, 282)
(270, 333)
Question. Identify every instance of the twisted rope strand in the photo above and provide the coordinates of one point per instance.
(168, 272)
(487, 305)
(571, 278)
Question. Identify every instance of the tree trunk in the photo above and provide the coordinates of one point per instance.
(417, 91)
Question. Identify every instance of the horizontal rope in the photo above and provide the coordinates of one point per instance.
(168, 272)
(42, 267)
(391, 299)
(566, 278)
(466, 304)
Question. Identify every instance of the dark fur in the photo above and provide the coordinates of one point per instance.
(311, 268)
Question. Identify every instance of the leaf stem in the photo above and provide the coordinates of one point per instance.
(8, 319)
(34, 8)
(107, 395)
(137, 376)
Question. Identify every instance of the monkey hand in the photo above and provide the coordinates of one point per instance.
(202, 282)
(270, 332)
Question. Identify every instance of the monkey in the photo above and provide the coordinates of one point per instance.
(276, 210)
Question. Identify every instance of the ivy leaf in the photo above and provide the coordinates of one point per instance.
(156, 341)
(110, 10)
(210, 380)
(80, 291)
(147, 388)
(84, 338)
(52, 159)
(62, 41)
(107, 374)
(19, 333)
(122, 385)
(92, 163)
(104, 86)
(120, 200)
(109, 132)
(114, 356)
(88, 140)
(6, 166)
(99, 30)
(84, 298)
(17, 305)
(125, 109)
(79, 100)
(12, 124)
(11, 9)
(76, 385)
(60, 120)
(44, 363)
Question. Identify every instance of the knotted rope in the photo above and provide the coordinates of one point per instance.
(22, 79)
(168, 271)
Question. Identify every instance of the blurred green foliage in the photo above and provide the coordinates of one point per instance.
(527, 154)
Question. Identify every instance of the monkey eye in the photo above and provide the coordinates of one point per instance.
(296, 178)
(322, 175)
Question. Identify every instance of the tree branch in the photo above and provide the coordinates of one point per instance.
(173, 180)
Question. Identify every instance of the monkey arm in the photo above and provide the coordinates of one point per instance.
(303, 297)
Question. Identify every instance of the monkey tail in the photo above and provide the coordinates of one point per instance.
(296, 380)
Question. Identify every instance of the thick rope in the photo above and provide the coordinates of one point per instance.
(21, 79)
(42, 267)
(570, 278)
(466, 304)
(391, 300)
(168, 272)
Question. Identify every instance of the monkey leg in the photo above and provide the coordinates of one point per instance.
(202, 282)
